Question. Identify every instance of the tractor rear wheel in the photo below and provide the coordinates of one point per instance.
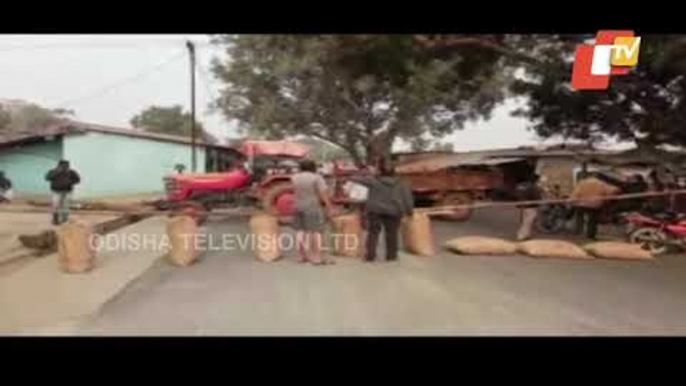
(278, 199)
(456, 199)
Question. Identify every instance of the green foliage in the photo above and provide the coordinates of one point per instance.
(169, 120)
(357, 91)
(29, 116)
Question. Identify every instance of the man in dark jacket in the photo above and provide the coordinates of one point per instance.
(5, 187)
(388, 200)
(62, 180)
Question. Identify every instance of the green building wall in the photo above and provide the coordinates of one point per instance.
(27, 165)
(111, 164)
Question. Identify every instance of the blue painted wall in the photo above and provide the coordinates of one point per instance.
(27, 165)
(111, 164)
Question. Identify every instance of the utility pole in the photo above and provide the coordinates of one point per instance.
(194, 134)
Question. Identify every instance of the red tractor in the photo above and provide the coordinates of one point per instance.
(262, 178)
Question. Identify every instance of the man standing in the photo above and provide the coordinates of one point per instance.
(62, 180)
(389, 199)
(590, 195)
(5, 188)
(309, 218)
(528, 191)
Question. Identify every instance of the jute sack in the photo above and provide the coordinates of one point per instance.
(182, 232)
(477, 245)
(347, 235)
(618, 250)
(74, 249)
(552, 248)
(264, 229)
(417, 236)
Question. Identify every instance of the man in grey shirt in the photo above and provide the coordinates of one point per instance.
(309, 218)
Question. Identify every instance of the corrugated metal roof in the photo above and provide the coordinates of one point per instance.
(15, 137)
(75, 127)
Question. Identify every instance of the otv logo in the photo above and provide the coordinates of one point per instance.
(614, 53)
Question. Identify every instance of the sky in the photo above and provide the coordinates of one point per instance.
(107, 79)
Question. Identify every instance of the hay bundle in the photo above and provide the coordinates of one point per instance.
(264, 229)
(552, 248)
(74, 249)
(477, 245)
(182, 232)
(618, 250)
(347, 240)
(417, 236)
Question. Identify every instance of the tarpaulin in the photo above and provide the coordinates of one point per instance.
(284, 148)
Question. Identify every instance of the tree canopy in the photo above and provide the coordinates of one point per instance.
(364, 92)
(646, 106)
(169, 120)
(20, 115)
(361, 92)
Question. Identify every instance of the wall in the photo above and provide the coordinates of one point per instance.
(113, 165)
(27, 165)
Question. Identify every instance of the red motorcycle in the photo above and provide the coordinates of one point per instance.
(657, 233)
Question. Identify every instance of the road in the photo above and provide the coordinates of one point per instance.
(229, 293)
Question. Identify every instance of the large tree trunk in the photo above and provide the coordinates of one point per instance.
(378, 148)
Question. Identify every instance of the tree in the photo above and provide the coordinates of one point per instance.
(22, 116)
(646, 106)
(359, 92)
(169, 120)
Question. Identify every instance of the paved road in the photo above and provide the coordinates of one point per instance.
(232, 294)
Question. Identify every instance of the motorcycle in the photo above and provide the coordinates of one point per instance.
(657, 233)
(554, 218)
(558, 218)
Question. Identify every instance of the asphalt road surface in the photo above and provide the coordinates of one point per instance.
(230, 293)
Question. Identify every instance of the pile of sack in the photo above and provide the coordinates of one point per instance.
(478, 245)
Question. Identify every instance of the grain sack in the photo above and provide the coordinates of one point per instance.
(477, 245)
(552, 248)
(264, 229)
(618, 250)
(182, 231)
(417, 236)
(347, 235)
(74, 249)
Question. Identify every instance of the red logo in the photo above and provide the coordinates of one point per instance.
(614, 53)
